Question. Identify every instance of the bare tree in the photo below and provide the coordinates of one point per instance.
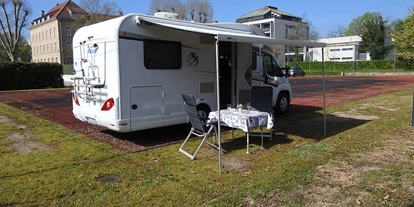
(205, 11)
(313, 34)
(98, 11)
(157, 6)
(15, 13)
(191, 6)
(200, 10)
(338, 32)
(174, 6)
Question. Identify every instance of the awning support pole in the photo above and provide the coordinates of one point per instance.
(324, 97)
(218, 103)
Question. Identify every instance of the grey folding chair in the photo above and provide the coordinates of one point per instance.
(261, 100)
(197, 127)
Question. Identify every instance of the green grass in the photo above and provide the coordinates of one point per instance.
(66, 175)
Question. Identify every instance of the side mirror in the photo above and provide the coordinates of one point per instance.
(286, 69)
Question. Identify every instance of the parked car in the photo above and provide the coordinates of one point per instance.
(296, 70)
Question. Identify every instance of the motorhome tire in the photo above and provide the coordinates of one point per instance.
(282, 103)
(203, 111)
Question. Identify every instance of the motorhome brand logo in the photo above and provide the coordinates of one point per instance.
(192, 59)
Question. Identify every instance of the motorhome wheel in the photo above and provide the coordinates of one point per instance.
(282, 103)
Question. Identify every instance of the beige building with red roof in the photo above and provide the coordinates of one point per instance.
(51, 34)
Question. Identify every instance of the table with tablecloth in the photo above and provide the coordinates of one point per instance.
(243, 119)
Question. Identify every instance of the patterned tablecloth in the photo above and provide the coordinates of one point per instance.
(242, 120)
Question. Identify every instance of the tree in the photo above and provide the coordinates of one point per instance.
(373, 34)
(98, 11)
(174, 6)
(15, 13)
(356, 27)
(405, 37)
(338, 32)
(396, 26)
(24, 50)
(193, 10)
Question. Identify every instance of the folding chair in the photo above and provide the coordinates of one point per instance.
(197, 127)
(261, 100)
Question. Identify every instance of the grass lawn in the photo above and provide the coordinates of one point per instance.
(63, 168)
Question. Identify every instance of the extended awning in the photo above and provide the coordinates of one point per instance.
(223, 34)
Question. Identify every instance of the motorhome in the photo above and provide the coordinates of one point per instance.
(130, 72)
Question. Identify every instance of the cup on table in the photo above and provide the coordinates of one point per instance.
(248, 106)
(228, 106)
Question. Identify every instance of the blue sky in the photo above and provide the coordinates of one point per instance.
(325, 15)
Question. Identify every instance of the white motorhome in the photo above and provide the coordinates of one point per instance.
(130, 72)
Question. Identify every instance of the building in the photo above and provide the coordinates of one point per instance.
(51, 33)
(276, 23)
(343, 49)
(339, 49)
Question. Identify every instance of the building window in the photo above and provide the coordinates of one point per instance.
(164, 55)
(47, 48)
(347, 58)
(67, 31)
(51, 47)
(43, 35)
(70, 60)
(334, 58)
(48, 60)
(333, 50)
(46, 34)
(50, 32)
(54, 32)
(68, 45)
(349, 48)
(55, 47)
(57, 59)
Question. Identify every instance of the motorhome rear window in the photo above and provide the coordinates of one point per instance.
(162, 55)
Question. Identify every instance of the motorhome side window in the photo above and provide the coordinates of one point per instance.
(162, 55)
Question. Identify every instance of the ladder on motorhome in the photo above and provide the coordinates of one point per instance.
(84, 85)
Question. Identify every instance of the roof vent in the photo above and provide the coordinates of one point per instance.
(167, 15)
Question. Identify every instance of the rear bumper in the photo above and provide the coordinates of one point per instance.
(118, 125)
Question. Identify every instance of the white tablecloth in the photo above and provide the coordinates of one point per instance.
(242, 120)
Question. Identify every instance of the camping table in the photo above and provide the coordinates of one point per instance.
(243, 120)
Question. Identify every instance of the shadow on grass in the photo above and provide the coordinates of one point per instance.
(304, 122)
(154, 137)
(310, 125)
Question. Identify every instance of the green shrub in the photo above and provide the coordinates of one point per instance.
(336, 68)
(22, 75)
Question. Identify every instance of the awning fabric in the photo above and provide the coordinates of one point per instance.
(224, 34)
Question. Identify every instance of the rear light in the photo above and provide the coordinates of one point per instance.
(108, 105)
(75, 98)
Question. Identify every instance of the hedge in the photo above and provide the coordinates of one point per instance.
(22, 75)
(346, 66)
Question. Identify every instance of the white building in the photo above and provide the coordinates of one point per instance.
(278, 24)
(339, 49)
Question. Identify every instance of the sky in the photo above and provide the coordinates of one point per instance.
(325, 15)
